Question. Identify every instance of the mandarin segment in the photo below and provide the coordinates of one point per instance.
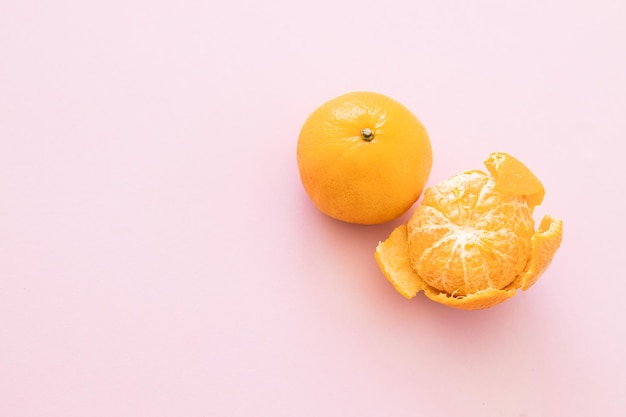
(459, 195)
(471, 244)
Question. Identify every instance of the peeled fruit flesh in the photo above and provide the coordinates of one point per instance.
(472, 242)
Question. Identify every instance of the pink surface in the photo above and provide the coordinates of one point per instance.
(159, 257)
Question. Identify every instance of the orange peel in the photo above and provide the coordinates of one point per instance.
(471, 244)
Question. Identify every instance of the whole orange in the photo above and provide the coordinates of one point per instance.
(363, 158)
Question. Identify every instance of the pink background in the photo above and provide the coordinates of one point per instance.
(159, 257)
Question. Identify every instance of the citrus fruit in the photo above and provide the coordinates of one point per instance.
(472, 244)
(363, 158)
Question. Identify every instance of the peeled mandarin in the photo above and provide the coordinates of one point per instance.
(472, 243)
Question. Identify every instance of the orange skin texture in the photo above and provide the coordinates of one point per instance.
(357, 180)
(471, 244)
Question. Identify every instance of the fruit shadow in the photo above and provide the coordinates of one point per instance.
(349, 251)
(355, 286)
(468, 325)
(354, 240)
